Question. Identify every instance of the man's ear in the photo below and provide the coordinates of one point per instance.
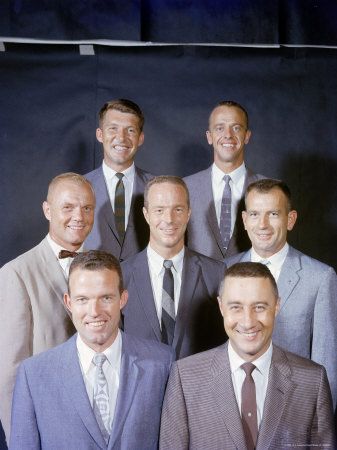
(46, 209)
(146, 214)
(124, 298)
(99, 135)
(244, 217)
(67, 301)
(292, 217)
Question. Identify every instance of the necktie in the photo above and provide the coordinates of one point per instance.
(120, 207)
(101, 396)
(168, 312)
(248, 407)
(225, 214)
(67, 254)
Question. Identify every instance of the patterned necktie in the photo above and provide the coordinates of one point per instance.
(101, 396)
(248, 407)
(120, 207)
(168, 312)
(226, 212)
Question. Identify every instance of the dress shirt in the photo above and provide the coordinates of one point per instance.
(111, 368)
(275, 261)
(111, 182)
(237, 182)
(260, 376)
(64, 262)
(157, 274)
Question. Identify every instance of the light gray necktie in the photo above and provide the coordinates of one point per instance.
(101, 396)
(226, 212)
(168, 311)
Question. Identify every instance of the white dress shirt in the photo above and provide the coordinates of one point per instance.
(157, 270)
(111, 368)
(260, 376)
(111, 182)
(275, 262)
(237, 182)
(64, 262)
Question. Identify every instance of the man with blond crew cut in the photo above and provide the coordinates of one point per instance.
(216, 193)
(119, 227)
(33, 316)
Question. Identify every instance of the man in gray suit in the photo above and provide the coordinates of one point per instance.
(102, 389)
(216, 193)
(119, 226)
(306, 323)
(248, 393)
(175, 304)
(33, 317)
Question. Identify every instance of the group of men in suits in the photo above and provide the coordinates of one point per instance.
(172, 297)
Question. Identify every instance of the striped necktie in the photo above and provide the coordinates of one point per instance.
(168, 311)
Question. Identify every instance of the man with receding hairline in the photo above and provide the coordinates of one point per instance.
(247, 394)
(119, 226)
(216, 193)
(33, 316)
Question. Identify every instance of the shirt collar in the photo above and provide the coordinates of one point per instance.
(156, 261)
(262, 363)
(276, 259)
(113, 353)
(236, 175)
(110, 173)
(56, 248)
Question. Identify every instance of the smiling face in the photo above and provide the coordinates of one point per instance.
(267, 220)
(228, 134)
(70, 211)
(248, 307)
(167, 214)
(121, 136)
(95, 302)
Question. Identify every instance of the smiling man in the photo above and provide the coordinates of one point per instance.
(248, 393)
(102, 388)
(33, 316)
(172, 290)
(119, 226)
(216, 193)
(306, 324)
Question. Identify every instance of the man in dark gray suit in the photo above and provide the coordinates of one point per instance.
(102, 389)
(248, 393)
(216, 193)
(306, 323)
(118, 183)
(172, 290)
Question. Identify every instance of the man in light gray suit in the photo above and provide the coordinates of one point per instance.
(211, 231)
(248, 393)
(306, 323)
(196, 321)
(121, 133)
(102, 389)
(33, 317)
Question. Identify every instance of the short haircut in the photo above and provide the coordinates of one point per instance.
(165, 179)
(97, 260)
(266, 185)
(232, 104)
(249, 270)
(68, 176)
(123, 105)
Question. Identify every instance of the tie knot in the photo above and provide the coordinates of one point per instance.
(227, 179)
(167, 263)
(119, 175)
(248, 367)
(99, 359)
(67, 254)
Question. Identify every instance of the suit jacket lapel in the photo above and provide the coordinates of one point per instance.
(129, 375)
(72, 379)
(289, 276)
(143, 285)
(278, 391)
(224, 396)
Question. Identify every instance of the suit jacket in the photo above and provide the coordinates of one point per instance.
(199, 325)
(200, 410)
(203, 233)
(104, 234)
(51, 408)
(33, 317)
(306, 323)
